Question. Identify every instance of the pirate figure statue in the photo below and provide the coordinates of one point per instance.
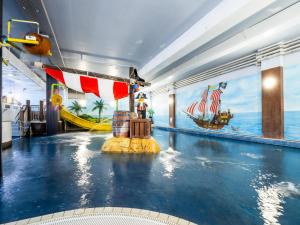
(134, 81)
(142, 105)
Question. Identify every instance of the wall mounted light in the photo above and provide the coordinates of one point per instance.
(269, 82)
(171, 101)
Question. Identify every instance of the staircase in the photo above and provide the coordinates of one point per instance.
(30, 120)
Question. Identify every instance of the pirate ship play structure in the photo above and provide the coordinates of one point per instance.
(214, 120)
(131, 133)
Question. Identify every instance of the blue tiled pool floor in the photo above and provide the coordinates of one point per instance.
(204, 180)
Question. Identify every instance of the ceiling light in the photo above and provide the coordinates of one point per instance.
(138, 42)
(82, 65)
(112, 70)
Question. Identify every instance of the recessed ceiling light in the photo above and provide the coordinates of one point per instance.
(138, 42)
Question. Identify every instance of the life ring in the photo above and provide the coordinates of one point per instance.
(56, 100)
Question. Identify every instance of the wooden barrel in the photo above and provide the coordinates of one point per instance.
(121, 124)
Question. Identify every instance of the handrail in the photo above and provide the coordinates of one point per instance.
(21, 21)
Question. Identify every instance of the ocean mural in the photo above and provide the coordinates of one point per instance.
(292, 102)
(239, 96)
(208, 113)
(160, 105)
(232, 106)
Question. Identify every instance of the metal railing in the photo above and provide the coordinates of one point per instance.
(28, 114)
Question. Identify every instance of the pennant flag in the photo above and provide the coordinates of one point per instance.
(86, 84)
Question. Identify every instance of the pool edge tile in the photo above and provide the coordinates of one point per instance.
(47, 217)
(182, 222)
(89, 210)
(35, 219)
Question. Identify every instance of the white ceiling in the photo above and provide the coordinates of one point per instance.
(117, 32)
(109, 36)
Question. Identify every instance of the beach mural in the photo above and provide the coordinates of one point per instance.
(292, 102)
(231, 106)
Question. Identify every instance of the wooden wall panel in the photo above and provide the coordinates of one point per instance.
(272, 103)
(172, 110)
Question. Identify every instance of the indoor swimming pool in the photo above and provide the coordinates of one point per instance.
(203, 180)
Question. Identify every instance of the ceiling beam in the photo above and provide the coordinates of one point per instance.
(22, 67)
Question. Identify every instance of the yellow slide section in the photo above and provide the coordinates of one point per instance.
(70, 117)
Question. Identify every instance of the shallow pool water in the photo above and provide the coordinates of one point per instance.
(204, 180)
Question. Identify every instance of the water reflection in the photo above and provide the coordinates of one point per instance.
(129, 169)
(271, 191)
(271, 197)
(82, 157)
(170, 158)
(215, 147)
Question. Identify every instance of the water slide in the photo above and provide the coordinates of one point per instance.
(71, 118)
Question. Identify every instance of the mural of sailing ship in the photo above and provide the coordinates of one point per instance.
(210, 116)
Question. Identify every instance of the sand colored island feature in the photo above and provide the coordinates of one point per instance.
(130, 145)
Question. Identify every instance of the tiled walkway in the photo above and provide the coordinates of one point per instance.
(105, 215)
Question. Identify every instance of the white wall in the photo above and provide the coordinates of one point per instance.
(6, 131)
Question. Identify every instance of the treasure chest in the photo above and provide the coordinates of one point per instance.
(140, 128)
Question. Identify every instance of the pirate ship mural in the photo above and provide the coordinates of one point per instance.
(207, 113)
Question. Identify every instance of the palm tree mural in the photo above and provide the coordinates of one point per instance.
(100, 106)
(76, 107)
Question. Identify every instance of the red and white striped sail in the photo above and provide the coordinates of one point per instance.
(214, 107)
(191, 108)
(103, 88)
(202, 105)
(215, 97)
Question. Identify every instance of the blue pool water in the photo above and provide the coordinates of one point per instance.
(205, 180)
